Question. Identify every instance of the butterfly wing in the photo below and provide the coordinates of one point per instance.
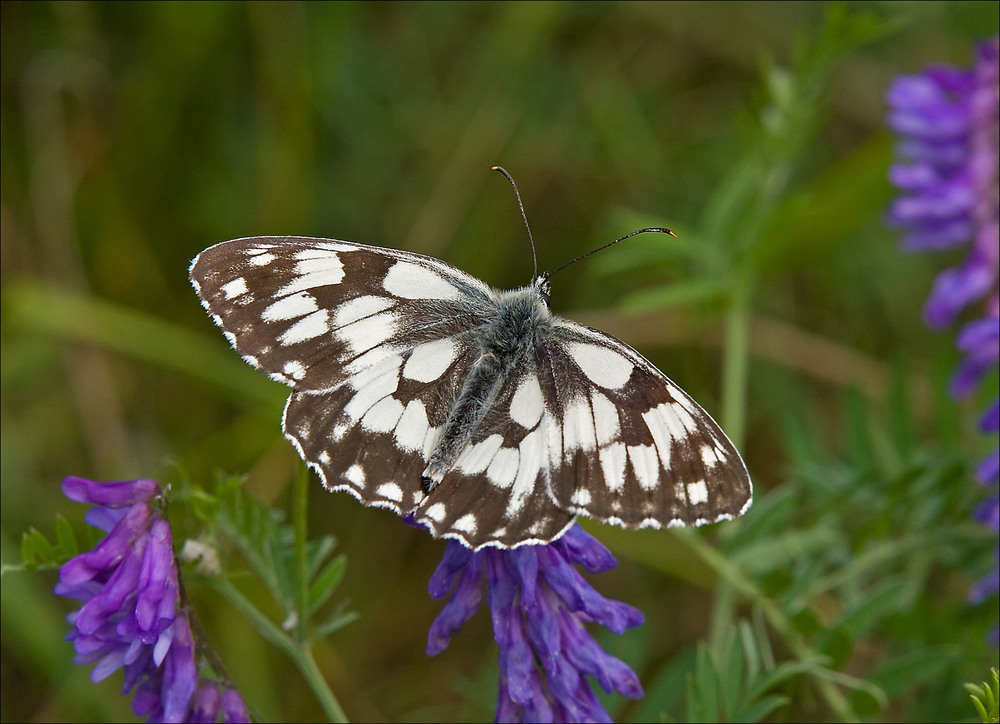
(374, 341)
(314, 312)
(497, 492)
(633, 448)
(377, 344)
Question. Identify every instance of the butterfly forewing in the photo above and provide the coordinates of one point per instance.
(313, 312)
(486, 418)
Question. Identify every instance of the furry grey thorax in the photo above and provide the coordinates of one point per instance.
(506, 345)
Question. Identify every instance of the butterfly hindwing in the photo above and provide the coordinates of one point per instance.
(636, 449)
(372, 435)
(498, 490)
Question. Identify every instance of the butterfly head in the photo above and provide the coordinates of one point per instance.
(542, 285)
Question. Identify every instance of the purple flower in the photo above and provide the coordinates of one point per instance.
(130, 618)
(947, 122)
(947, 125)
(539, 604)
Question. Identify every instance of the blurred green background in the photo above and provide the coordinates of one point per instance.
(136, 134)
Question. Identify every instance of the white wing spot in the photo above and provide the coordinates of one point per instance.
(310, 327)
(606, 423)
(613, 459)
(322, 265)
(372, 358)
(390, 491)
(262, 257)
(319, 248)
(364, 334)
(476, 457)
(412, 427)
(431, 441)
(383, 415)
(709, 456)
(294, 369)
(466, 524)
(578, 427)
(355, 474)
(685, 417)
(436, 512)
(581, 497)
(382, 385)
(645, 465)
(555, 442)
(527, 404)
(531, 457)
(359, 308)
(674, 423)
(290, 307)
(697, 492)
(659, 428)
(314, 273)
(603, 366)
(430, 360)
(503, 468)
(410, 281)
(236, 288)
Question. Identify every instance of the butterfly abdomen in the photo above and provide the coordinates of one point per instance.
(506, 345)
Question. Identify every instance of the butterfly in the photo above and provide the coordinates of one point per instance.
(480, 413)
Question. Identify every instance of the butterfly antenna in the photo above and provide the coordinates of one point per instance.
(534, 259)
(657, 229)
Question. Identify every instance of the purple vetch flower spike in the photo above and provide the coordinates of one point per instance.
(946, 120)
(131, 617)
(539, 604)
(948, 178)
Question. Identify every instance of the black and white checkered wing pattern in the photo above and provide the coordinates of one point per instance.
(489, 419)
(374, 342)
(629, 446)
(313, 313)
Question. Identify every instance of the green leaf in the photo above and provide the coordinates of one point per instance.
(36, 549)
(326, 583)
(761, 708)
(703, 688)
(783, 672)
(731, 678)
(65, 538)
(317, 551)
(336, 621)
(986, 698)
(28, 554)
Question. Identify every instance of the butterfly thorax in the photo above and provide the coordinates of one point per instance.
(507, 343)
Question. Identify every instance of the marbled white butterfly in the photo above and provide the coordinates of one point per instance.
(491, 420)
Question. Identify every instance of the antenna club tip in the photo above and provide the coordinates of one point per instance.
(671, 233)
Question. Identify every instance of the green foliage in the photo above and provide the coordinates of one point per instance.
(986, 698)
(269, 545)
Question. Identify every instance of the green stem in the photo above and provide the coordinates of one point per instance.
(736, 358)
(300, 509)
(300, 654)
(736, 351)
